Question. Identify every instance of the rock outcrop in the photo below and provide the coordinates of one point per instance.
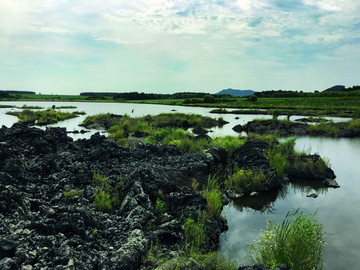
(48, 219)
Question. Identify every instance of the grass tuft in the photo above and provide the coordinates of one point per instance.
(297, 242)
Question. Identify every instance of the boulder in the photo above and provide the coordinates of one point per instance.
(237, 128)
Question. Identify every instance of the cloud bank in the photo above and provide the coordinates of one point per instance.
(167, 46)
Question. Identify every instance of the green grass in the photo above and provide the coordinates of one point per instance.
(213, 195)
(297, 242)
(229, 143)
(325, 128)
(247, 180)
(280, 155)
(106, 196)
(195, 233)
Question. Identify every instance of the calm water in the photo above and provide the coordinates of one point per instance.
(122, 108)
(338, 209)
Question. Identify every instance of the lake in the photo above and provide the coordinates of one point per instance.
(337, 209)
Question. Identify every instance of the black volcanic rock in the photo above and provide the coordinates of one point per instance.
(42, 226)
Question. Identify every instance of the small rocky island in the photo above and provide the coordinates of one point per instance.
(92, 204)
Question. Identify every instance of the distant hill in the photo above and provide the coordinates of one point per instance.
(336, 88)
(236, 92)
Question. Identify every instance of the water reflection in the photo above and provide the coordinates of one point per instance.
(264, 203)
(337, 209)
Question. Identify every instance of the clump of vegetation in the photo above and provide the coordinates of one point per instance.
(297, 242)
(229, 143)
(324, 128)
(195, 233)
(270, 138)
(106, 196)
(280, 155)
(44, 117)
(213, 195)
(247, 180)
(73, 194)
(160, 207)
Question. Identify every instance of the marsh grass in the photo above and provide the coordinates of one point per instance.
(279, 156)
(195, 233)
(246, 180)
(297, 242)
(213, 195)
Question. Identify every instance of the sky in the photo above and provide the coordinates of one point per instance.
(168, 46)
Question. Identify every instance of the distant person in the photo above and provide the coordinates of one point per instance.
(53, 107)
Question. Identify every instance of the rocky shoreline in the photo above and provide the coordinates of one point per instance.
(48, 219)
(302, 128)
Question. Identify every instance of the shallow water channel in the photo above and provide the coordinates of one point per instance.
(337, 209)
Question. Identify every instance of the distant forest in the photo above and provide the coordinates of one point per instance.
(350, 91)
(144, 96)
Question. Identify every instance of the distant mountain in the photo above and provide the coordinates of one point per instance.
(336, 88)
(236, 92)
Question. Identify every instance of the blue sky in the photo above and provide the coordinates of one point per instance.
(166, 46)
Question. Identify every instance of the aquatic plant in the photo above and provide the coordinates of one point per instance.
(297, 242)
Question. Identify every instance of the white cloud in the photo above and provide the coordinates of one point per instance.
(201, 37)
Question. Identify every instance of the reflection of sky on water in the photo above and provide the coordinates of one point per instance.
(338, 209)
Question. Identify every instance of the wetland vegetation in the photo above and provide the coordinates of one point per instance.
(42, 117)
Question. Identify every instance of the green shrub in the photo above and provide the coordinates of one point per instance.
(160, 207)
(105, 197)
(297, 242)
(102, 200)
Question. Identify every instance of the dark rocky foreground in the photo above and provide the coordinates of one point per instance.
(42, 229)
